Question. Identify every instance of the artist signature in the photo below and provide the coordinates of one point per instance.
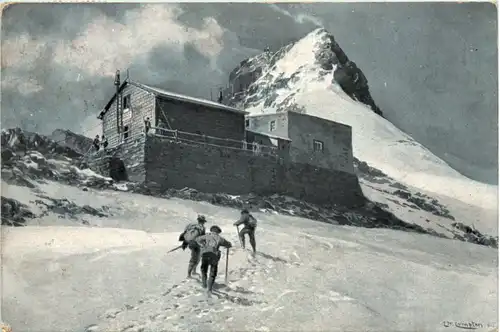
(470, 325)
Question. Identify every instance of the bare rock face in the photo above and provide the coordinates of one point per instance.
(354, 83)
(17, 141)
(79, 143)
(14, 213)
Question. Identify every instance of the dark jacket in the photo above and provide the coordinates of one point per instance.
(248, 220)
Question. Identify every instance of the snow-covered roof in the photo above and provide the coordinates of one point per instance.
(264, 114)
(268, 135)
(175, 96)
(180, 97)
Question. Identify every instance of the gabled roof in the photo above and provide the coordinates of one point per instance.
(171, 95)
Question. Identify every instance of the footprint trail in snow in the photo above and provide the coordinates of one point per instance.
(185, 306)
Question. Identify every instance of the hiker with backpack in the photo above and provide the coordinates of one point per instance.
(188, 238)
(250, 224)
(210, 255)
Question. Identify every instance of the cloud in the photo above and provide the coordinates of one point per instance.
(25, 86)
(106, 45)
(299, 18)
(21, 51)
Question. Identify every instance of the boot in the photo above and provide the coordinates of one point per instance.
(210, 285)
(190, 271)
(253, 244)
(204, 281)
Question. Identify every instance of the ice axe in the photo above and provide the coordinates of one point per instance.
(176, 248)
(227, 264)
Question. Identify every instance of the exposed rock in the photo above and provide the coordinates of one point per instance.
(370, 216)
(76, 142)
(32, 166)
(354, 83)
(398, 185)
(364, 170)
(16, 177)
(91, 328)
(14, 213)
(425, 203)
(418, 201)
(472, 235)
(66, 208)
(18, 141)
(8, 156)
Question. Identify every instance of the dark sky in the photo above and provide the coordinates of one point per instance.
(431, 67)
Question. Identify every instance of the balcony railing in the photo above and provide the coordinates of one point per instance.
(181, 136)
(176, 135)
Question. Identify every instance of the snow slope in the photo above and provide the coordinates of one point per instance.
(117, 276)
(311, 89)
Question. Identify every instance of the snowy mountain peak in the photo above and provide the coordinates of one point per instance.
(313, 60)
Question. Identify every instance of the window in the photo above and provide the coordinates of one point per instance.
(247, 123)
(127, 114)
(272, 125)
(318, 145)
(126, 102)
(125, 132)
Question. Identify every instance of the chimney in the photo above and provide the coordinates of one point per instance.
(117, 79)
(220, 96)
(117, 84)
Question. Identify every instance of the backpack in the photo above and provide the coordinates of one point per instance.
(212, 243)
(252, 221)
(192, 233)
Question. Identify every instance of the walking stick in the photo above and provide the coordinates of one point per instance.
(227, 264)
(176, 248)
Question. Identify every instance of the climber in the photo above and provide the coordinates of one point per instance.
(256, 148)
(96, 143)
(147, 125)
(104, 142)
(250, 224)
(188, 237)
(210, 255)
(220, 97)
(161, 126)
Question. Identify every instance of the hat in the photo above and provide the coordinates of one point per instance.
(202, 218)
(215, 229)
